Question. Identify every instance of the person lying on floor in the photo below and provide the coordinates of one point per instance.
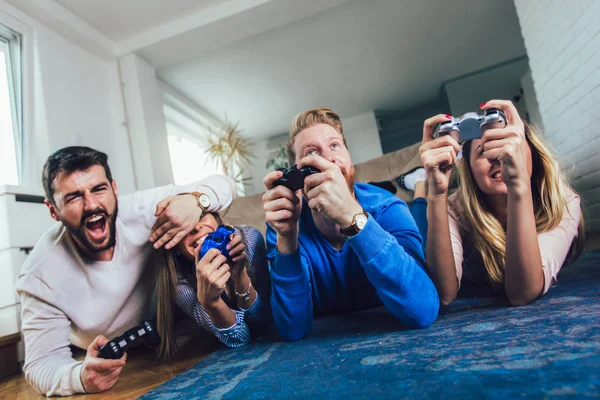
(514, 219)
(221, 294)
(91, 276)
(335, 245)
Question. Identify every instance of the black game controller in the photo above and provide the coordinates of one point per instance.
(144, 332)
(219, 239)
(293, 178)
(470, 125)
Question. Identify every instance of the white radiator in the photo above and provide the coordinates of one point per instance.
(23, 219)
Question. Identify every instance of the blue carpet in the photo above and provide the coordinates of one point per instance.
(478, 348)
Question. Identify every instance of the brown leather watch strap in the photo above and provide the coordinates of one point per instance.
(353, 229)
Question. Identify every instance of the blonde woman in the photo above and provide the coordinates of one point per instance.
(514, 220)
(226, 296)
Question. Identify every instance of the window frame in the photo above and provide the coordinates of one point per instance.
(11, 42)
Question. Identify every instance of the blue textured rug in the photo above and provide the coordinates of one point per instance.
(478, 348)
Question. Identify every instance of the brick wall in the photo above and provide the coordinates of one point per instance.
(562, 39)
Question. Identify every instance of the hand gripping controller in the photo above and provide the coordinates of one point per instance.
(293, 178)
(470, 125)
(145, 332)
(219, 239)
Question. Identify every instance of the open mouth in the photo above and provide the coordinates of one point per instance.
(200, 240)
(96, 227)
(496, 175)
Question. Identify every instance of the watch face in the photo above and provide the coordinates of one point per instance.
(361, 221)
(204, 200)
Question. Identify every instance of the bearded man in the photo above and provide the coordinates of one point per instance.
(92, 275)
(335, 245)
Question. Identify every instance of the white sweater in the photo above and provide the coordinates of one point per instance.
(66, 299)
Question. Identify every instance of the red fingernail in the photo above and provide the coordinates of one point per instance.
(448, 116)
(483, 105)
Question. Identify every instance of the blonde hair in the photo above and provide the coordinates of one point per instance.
(306, 119)
(549, 186)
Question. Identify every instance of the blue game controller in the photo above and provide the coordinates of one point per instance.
(470, 125)
(219, 239)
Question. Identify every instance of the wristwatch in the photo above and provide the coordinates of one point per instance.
(203, 200)
(358, 223)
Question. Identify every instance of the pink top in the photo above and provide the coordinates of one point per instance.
(554, 245)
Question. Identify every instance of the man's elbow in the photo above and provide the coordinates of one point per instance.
(292, 329)
(424, 315)
(422, 321)
(293, 333)
(28, 373)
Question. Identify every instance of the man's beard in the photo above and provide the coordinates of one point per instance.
(81, 238)
(349, 176)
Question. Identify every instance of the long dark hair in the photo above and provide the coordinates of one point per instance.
(166, 285)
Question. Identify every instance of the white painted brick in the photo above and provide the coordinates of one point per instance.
(589, 181)
(587, 166)
(590, 196)
(562, 40)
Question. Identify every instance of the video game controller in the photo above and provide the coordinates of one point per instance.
(144, 332)
(219, 239)
(293, 178)
(469, 126)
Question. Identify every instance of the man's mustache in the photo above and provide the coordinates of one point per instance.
(87, 214)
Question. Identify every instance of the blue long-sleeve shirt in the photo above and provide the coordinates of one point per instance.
(381, 264)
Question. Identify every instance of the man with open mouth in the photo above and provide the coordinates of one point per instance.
(91, 277)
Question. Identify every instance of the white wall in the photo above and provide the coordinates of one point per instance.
(146, 122)
(258, 169)
(562, 42)
(362, 135)
(400, 129)
(72, 98)
(498, 82)
(530, 98)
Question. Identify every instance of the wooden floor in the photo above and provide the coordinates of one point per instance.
(140, 375)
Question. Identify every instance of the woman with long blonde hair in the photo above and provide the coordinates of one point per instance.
(226, 296)
(514, 219)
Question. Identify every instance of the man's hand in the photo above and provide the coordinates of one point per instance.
(328, 192)
(237, 254)
(212, 274)
(177, 216)
(98, 374)
(282, 209)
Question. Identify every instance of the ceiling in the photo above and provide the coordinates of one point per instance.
(121, 19)
(359, 56)
(260, 62)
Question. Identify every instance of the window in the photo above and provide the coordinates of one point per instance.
(187, 130)
(11, 107)
(188, 160)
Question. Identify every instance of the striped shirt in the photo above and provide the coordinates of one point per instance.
(247, 321)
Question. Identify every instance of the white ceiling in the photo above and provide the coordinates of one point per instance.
(121, 19)
(260, 62)
(359, 56)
